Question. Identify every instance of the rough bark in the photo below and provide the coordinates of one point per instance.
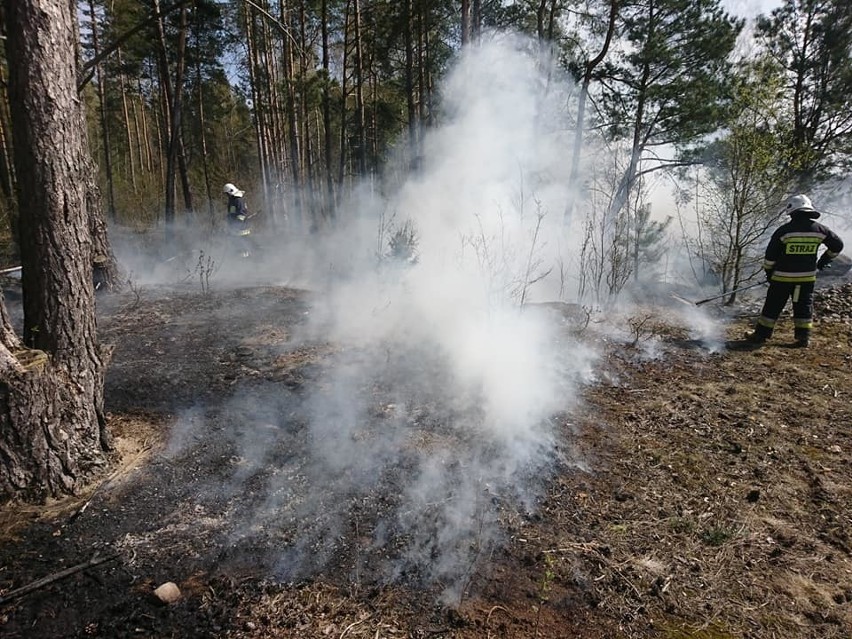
(7, 172)
(104, 271)
(53, 437)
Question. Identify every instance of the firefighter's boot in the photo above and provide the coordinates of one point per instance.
(759, 336)
(803, 337)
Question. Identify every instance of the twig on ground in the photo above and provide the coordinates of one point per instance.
(352, 625)
(49, 579)
(493, 610)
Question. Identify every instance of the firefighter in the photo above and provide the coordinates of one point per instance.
(238, 215)
(791, 266)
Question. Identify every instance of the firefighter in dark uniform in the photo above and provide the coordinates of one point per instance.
(238, 224)
(791, 266)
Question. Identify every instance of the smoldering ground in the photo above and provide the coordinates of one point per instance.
(423, 436)
(430, 425)
(385, 468)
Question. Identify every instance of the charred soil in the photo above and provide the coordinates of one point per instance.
(698, 493)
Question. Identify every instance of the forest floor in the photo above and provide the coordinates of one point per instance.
(701, 493)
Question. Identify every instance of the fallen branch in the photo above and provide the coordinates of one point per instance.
(62, 574)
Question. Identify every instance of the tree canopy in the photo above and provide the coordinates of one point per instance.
(302, 100)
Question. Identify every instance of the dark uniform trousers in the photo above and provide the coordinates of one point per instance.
(776, 298)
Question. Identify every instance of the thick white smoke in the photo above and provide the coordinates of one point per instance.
(435, 417)
(444, 386)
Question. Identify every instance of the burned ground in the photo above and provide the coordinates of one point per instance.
(695, 492)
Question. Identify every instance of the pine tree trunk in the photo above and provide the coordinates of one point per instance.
(273, 139)
(143, 134)
(330, 208)
(476, 20)
(465, 22)
(202, 127)
(360, 114)
(7, 172)
(168, 126)
(176, 158)
(293, 125)
(255, 88)
(53, 438)
(410, 101)
(104, 271)
(276, 139)
(177, 134)
(307, 139)
(101, 89)
(579, 132)
(344, 89)
(423, 64)
(131, 165)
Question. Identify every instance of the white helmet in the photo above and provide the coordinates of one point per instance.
(230, 189)
(800, 203)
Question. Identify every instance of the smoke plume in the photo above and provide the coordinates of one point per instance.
(428, 430)
(437, 407)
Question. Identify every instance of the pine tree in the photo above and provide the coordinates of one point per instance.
(811, 40)
(671, 86)
(53, 437)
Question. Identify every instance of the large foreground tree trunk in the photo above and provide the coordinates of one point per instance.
(53, 438)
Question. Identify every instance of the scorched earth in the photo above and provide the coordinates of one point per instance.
(696, 490)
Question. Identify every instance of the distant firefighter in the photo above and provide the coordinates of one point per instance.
(791, 266)
(238, 216)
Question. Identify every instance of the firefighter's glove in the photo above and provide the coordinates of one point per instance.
(241, 218)
(823, 263)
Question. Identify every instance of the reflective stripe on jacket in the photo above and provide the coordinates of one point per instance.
(791, 255)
